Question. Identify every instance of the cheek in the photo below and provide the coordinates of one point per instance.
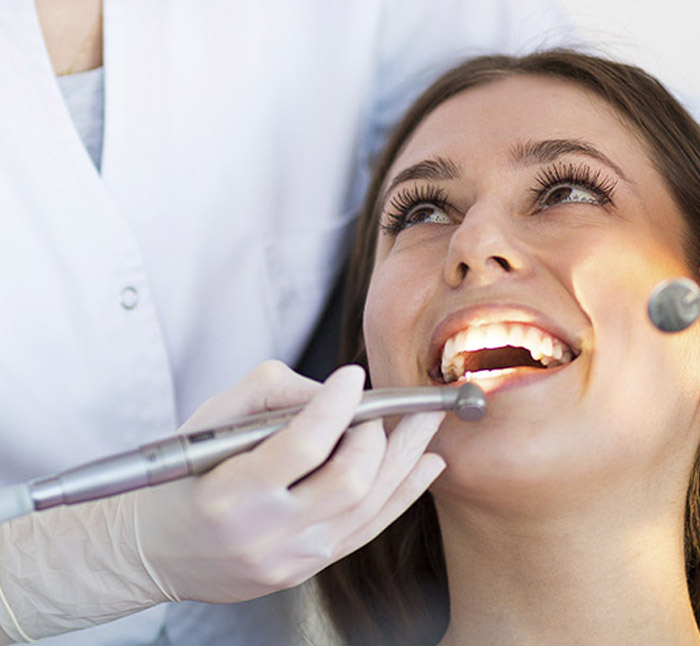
(613, 284)
(373, 322)
(393, 323)
(382, 325)
(639, 385)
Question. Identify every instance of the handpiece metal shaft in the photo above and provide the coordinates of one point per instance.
(194, 453)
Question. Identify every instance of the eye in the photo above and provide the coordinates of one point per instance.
(572, 184)
(415, 205)
(426, 213)
(564, 193)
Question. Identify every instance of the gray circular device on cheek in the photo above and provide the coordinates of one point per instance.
(674, 305)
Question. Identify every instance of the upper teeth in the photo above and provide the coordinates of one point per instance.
(543, 347)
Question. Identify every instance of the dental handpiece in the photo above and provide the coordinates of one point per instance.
(674, 305)
(194, 453)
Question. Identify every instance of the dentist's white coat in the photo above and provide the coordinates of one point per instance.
(236, 134)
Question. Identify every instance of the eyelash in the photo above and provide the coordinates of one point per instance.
(578, 176)
(403, 202)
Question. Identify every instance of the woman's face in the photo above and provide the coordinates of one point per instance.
(523, 229)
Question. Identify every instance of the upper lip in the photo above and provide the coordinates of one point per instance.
(485, 313)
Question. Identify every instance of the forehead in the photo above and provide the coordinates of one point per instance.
(487, 121)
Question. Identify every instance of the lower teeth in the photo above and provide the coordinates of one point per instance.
(485, 374)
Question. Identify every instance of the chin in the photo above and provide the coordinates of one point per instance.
(505, 462)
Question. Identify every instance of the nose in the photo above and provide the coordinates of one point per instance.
(484, 248)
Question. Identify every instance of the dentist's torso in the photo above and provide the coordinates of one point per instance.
(234, 135)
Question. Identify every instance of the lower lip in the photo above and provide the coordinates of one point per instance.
(493, 381)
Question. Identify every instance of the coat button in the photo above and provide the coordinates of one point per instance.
(129, 297)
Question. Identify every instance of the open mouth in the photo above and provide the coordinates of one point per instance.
(501, 346)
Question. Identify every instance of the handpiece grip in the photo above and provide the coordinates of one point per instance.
(206, 449)
(148, 465)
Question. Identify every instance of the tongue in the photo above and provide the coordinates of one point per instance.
(495, 358)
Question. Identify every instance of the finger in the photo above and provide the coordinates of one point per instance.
(319, 545)
(262, 475)
(405, 445)
(307, 441)
(405, 448)
(270, 386)
(426, 471)
(346, 479)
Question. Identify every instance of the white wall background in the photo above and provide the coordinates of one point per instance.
(662, 36)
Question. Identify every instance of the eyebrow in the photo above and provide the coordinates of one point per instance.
(549, 150)
(439, 168)
(528, 152)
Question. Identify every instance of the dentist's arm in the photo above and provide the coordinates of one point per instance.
(259, 522)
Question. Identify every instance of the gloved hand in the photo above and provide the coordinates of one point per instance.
(273, 517)
(259, 522)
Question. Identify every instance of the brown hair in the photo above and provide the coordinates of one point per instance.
(394, 590)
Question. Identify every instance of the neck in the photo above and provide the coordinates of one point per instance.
(603, 580)
(72, 32)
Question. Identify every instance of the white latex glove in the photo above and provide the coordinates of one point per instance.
(243, 530)
(71, 567)
(250, 526)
